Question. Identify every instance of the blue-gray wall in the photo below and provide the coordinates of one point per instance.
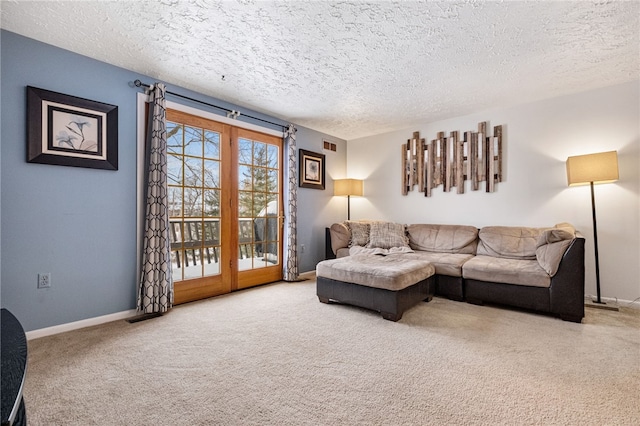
(80, 224)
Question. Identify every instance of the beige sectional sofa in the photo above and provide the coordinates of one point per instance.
(540, 269)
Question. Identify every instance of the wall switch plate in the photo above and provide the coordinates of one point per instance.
(44, 280)
(301, 248)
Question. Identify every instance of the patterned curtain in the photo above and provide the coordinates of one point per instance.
(156, 283)
(290, 264)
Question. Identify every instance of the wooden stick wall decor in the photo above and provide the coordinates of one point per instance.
(413, 164)
(449, 161)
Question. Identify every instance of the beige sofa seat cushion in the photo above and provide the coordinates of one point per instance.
(445, 263)
(508, 242)
(508, 271)
(443, 238)
(393, 272)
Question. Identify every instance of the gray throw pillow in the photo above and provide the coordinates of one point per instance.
(359, 233)
(387, 235)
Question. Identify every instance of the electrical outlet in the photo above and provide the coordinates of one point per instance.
(44, 280)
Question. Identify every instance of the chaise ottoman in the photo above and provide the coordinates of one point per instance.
(387, 284)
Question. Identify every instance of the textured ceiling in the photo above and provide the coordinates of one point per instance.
(348, 68)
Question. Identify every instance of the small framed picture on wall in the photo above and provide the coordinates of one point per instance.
(311, 169)
(69, 131)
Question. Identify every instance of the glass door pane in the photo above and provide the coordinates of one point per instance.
(196, 181)
(194, 199)
(258, 204)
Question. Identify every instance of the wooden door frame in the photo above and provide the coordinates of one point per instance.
(231, 278)
(188, 290)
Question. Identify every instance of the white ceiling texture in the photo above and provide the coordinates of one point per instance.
(352, 68)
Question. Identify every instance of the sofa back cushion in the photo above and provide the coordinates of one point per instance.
(443, 238)
(510, 242)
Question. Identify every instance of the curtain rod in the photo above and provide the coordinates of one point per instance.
(230, 112)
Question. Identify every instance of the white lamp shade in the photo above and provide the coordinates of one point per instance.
(345, 187)
(597, 168)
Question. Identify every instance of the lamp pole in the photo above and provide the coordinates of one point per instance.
(595, 244)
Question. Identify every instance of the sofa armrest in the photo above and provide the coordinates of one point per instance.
(566, 291)
(551, 246)
(340, 235)
(550, 255)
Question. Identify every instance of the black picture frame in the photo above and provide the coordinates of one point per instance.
(311, 169)
(66, 130)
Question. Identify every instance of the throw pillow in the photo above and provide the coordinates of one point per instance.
(387, 235)
(359, 233)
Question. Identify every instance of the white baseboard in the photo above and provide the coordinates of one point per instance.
(56, 329)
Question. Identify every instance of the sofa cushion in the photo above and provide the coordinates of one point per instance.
(386, 235)
(445, 263)
(340, 236)
(504, 270)
(508, 242)
(443, 238)
(359, 233)
(551, 246)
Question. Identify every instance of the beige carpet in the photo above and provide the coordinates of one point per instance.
(275, 355)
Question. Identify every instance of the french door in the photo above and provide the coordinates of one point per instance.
(225, 202)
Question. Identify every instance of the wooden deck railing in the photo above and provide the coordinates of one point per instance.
(199, 239)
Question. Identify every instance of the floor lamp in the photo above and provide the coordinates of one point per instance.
(348, 187)
(591, 169)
